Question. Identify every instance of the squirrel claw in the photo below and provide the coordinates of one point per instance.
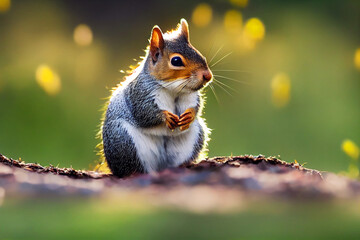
(171, 119)
(184, 127)
(170, 126)
(186, 119)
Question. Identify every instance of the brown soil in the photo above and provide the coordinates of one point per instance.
(221, 178)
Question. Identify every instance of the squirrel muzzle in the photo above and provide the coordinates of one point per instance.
(206, 75)
(203, 76)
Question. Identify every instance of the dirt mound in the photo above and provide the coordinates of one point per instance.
(218, 180)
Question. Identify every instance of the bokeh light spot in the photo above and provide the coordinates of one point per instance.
(83, 35)
(254, 29)
(233, 21)
(357, 58)
(247, 43)
(239, 3)
(281, 87)
(5, 5)
(48, 80)
(202, 15)
(350, 148)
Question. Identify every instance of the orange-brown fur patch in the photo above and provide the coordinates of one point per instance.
(162, 71)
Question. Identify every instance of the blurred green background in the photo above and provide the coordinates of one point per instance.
(93, 219)
(299, 96)
(293, 76)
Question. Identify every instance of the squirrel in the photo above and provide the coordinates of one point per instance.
(153, 118)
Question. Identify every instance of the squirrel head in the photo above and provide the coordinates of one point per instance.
(175, 62)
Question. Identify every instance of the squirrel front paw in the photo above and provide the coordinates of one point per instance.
(171, 119)
(186, 119)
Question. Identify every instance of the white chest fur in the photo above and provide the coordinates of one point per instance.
(159, 147)
(159, 152)
(169, 101)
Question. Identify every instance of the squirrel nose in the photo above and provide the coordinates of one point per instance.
(207, 75)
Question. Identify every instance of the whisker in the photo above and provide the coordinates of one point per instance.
(230, 70)
(232, 79)
(183, 86)
(216, 54)
(225, 85)
(211, 48)
(213, 90)
(172, 82)
(165, 85)
(213, 65)
(217, 83)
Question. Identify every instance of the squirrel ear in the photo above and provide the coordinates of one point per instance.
(156, 43)
(185, 29)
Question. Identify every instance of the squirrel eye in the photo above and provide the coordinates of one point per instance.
(177, 62)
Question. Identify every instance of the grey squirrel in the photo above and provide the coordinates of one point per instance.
(153, 119)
